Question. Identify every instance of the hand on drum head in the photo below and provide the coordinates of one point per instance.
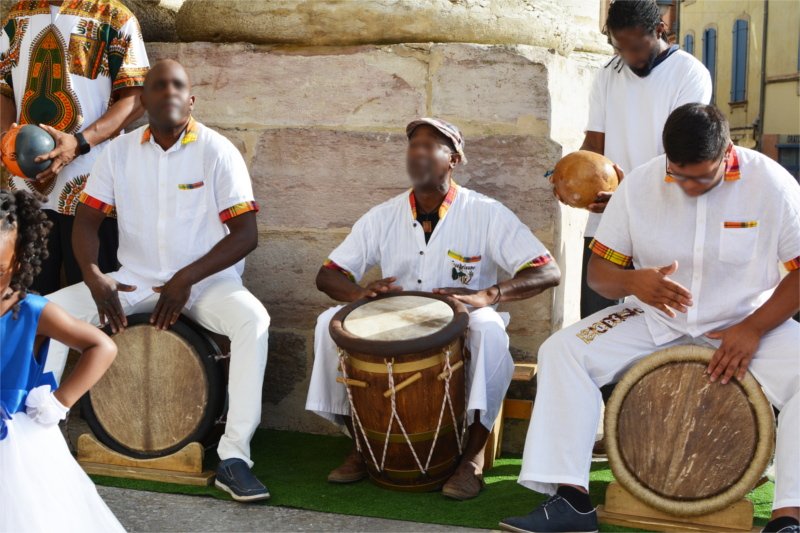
(600, 203)
(62, 155)
(174, 295)
(382, 286)
(653, 287)
(471, 297)
(732, 358)
(104, 291)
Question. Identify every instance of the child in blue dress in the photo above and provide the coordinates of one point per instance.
(42, 488)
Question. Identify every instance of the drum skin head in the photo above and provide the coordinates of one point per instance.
(399, 318)
(398, 324)
(22, 145)
(682, 444)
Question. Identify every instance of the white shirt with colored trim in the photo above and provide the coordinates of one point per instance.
(62, 66)
(729, 242)
(171, 204)
(631, 111)
(476, 239)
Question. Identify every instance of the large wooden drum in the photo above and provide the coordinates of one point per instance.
(682, 444)
(164, 390)
(403, 365)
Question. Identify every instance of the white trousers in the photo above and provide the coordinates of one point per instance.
(225, 307)
(559, 444)
(489, 370)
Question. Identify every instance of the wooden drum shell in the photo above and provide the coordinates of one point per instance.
(681, 444)
(418, 405)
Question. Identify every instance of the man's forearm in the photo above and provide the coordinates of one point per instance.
(607, 279)
(337, 286)
(784, 302)
(226, 253)
(121, 113)
(528, 283)
(85, 240)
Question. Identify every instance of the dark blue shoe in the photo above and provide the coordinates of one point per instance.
(235, 478)
(553, 516)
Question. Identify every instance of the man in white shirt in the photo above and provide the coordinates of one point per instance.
(631, 99)
(706, 227)
(419, 239)
(76, 68)
(187, 219)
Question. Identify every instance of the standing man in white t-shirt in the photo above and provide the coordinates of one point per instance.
(631, 100)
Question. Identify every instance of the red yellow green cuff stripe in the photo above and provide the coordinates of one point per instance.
(238, 209)
(610, 255)
(333, 266)
(792, 264)
(536, 262)
(94, 203)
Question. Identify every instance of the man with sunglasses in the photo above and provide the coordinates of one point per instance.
(707, 238)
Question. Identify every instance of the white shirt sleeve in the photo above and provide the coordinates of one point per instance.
(99, 190)
(131, 67)
(696, 87)
(512, 245)
(789, 232)
(597, 103)
(612, 241)
(360, 250)
(233, 190)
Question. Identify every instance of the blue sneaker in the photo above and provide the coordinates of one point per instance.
(553, 516)
(235, 478)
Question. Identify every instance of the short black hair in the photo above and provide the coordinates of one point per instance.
(624, 14)
(22, 211)
(695, 133)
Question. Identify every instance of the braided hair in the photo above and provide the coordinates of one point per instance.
(21, 210)
(624, 14)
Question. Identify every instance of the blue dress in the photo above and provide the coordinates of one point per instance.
(19, 371)
(42, 488)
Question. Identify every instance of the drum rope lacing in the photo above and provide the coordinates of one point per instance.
(446, 401)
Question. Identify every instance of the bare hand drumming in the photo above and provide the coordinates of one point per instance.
(62, 155)
(654, 287)
(474, 298)
(105, 292)
(381, 286)
(732, 358)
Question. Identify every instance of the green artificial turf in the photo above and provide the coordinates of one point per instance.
(294, 467)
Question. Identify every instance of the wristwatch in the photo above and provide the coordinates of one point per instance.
(83, 144)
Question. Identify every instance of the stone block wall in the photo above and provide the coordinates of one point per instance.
(321, 129)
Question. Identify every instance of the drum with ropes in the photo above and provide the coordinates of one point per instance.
(164, 390)
(402, 362)
(682, 444)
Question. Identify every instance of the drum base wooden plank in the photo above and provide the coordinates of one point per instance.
(184, 467)
(623, 509)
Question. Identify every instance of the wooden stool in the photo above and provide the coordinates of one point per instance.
(511, 408)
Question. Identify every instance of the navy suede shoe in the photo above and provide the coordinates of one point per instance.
(555, 515)
(235, 478)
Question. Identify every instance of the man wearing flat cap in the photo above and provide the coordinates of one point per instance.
(442, 238)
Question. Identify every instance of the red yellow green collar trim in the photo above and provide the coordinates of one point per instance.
(189, 136)
(732, 172)
(446, 203)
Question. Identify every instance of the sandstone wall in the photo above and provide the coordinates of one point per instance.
(321, 129)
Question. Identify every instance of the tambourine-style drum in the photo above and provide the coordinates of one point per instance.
(402, 361)
(682, 444)
(164, 390)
